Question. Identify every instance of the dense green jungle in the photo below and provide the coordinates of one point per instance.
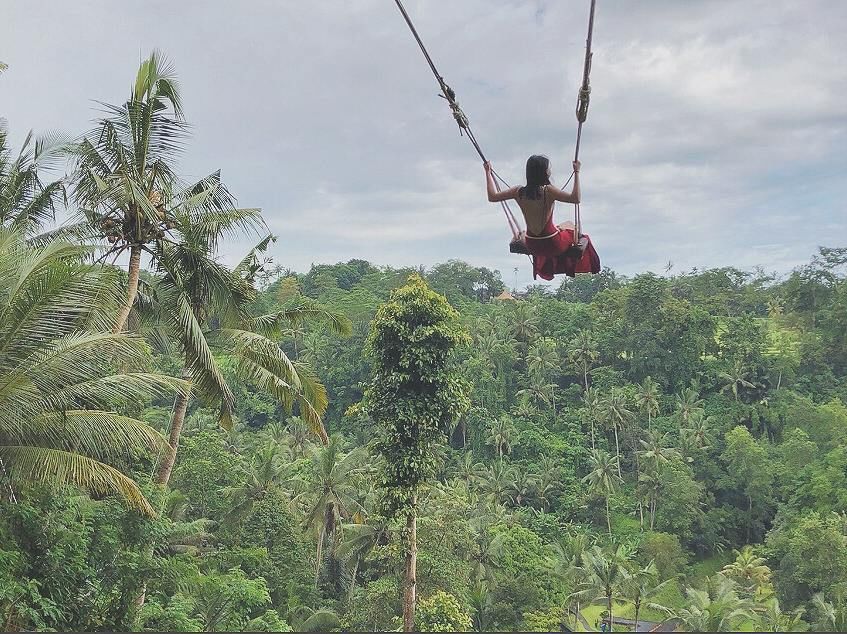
(191, 445)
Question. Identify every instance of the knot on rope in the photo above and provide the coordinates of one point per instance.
(582, 103)
(460, 117)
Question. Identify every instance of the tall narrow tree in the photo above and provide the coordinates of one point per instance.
(415, 395)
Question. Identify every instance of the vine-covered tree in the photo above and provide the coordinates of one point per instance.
(415, 395)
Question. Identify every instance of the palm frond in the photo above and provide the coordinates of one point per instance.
(53, 466)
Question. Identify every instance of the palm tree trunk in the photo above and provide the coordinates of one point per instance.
(585, 375)
(353, 580)
(592, 434)
(749, 517)
(318, 555)
(609, 607)
(618, 451)
(131, 289)
(166, 464)
(608, 517)
(637, 611)
(410, 586)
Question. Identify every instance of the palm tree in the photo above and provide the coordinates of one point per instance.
(748, 570)
(652, 481)
(602, 576)
(616, 414)
(643, 587)
(479, 602)
(488, 550)
(716, 608)
(500, 436)
(331, 487)
(688, 402)
(468, 470)
(655, 449)
(542, 363)
(204, 307)
(298, 435)
(736, 380)
(26, 202)
(359, 540)
(593, 404)
(306, 619)
(265, 471)
(524, 321)
(498, 482)
(771, 618)
(647, 399)
(602, 479)
(698, 429)
(124, 182)
(522, 487)
(584, 353)
(60, 394)
(829, 617)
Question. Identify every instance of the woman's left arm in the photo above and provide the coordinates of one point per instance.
(495, 196)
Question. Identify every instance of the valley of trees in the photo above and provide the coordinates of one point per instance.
(191, 446)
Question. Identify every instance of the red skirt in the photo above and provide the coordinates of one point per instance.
(549, 256)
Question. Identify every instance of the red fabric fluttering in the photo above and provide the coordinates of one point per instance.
(549, 255)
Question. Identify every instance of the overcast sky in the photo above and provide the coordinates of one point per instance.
(717, 133)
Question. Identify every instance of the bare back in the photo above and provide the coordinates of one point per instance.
(536, 212)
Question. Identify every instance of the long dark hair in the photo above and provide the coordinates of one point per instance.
(536, 176)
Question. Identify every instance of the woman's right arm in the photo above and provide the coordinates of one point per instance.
(495, 196)
(575, 195)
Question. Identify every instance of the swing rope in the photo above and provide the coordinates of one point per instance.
(465, 127)
(582, 101)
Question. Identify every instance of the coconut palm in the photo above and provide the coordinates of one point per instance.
(306, 619)
(522, 487)
(584, 353)
(298, 435)
(498, 482)
(602, 577)
(205, 308)
(748, 570)
(480, 603)
(656, 450)
(737, 379)
(60, 394)
(26, 201)
(642, 589)
(500, 436)
(468, 470)
(688, 403)
(267, 469)
(647, 399)
(124, 181)
(716, 608)
(698, 429)
(829, 616)
(602, 479)
(488, 550)
(770, 617)
(359, 540)
(524, 321)
(650, 482)
(331, 488)
(616, 415)
(593, 405)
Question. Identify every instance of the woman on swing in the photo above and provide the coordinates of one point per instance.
(552, 246)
